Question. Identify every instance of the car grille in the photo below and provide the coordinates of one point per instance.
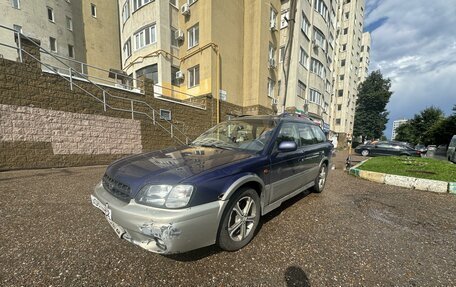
(116, 188)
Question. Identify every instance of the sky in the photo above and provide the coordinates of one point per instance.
(414, 44)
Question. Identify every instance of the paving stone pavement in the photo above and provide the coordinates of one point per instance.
(354, 233)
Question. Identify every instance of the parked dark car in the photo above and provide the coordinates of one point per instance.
(431, 147)
(216, 189)
(422, 148)
(385, 148)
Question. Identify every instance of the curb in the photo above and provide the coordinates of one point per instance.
(404, 181)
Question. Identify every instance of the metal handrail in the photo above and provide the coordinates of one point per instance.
(104, 101)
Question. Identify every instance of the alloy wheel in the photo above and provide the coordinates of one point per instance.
(242, 218)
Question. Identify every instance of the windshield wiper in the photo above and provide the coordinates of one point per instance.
(214, 146)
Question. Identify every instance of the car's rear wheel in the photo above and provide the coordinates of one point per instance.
(240, 220)
(365, 152)
(320, 181)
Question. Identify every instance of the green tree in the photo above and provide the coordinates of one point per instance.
(420, 129)
(443, 131)
(371, 115)
(406, 133)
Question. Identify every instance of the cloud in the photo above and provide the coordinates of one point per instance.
(414, 44)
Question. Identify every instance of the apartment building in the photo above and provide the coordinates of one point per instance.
(347, 68)
(396, 124)
(365, 57)
(312, 43)
(76, 31)
(195, 48)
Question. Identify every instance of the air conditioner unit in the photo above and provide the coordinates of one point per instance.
(274, 101)
(185, 9)
(179, 75)
(179, 35)
(314, 44)
(272, 63)
(273, 25)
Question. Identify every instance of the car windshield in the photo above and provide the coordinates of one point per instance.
(244, 134)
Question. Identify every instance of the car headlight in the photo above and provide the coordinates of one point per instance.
(165, 195)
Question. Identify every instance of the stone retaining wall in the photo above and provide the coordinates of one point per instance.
(43, 123)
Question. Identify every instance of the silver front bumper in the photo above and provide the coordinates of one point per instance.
(160, 230)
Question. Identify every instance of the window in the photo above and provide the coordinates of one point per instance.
(93, 10)
(173, 3)
(288, 132)
(193, 36)
(342, 63)
(345, 31)
(317, 68)
(145, 37)
(174, 80)
(190, 2)
(279, 86)
(315, 97)
(273, 18)
(306, 137)
(150, 72)
(69, 23)
(139, 3)
(165, 114)
(347, 15)
(126, 11)
(318, 133)
(340, 93)
(282, 54)
(283, 19)
(50, 12)
(16, 4)
(127, 49)
(341, 77)
(344, 47)
(321, 8)
(305, 25)
(301, 90)
(328, 86)
(271, 85)
(303, 58)
(70, 51)
(338, 122)
(331, 39)
(320, 39)
(339, 107)
(53, 44)
(174, 41)
(17, 28)
(271, 51)
(193, 76)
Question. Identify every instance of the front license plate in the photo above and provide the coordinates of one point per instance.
(117, 228)
(120, 231)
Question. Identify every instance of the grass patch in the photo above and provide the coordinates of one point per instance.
(427, 168)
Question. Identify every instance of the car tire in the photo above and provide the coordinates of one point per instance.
(365, 152)
(320, 180)
(240, 220)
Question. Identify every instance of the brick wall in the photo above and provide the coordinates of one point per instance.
(43, 123)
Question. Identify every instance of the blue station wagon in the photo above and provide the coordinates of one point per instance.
(215, 190)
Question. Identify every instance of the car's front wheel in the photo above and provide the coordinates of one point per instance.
(240, 220)
(365, 152)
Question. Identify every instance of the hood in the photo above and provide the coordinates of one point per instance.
(170, 166)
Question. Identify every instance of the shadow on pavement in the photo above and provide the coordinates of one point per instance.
(295, 276)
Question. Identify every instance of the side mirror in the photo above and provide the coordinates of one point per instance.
(287, 146)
